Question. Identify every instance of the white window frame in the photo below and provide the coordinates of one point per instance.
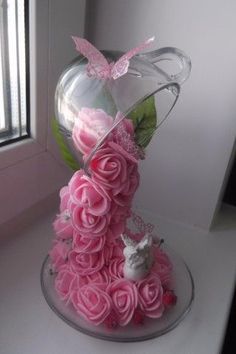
(39, 65)
(31, 170)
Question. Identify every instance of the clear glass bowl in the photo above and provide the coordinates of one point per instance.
(158, 74)
(184, 289)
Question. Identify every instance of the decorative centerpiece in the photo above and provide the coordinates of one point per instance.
(108, 270)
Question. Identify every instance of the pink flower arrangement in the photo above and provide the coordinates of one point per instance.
(87, 256)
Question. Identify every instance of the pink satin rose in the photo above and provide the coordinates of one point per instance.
(115, 267)
(124, 298)
(150, 295)
(126, 193)
(102, 277)
(88, 194)
(116, 173)
(88, 224)
(87, 244)
(90, 126)
(66, 281)
(109, 169)
(59, 254)
(92, 303)
(62, 225)
(86, 263)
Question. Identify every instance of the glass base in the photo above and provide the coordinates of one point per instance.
(183, 287)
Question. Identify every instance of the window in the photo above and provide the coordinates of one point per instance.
(14, 78)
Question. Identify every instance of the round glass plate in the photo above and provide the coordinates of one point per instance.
(184, 289)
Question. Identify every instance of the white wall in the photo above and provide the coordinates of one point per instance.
(185, 167)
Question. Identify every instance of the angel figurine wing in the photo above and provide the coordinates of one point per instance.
(145, 243)
(99, 67)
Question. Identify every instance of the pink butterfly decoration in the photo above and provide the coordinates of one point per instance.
(98, 65)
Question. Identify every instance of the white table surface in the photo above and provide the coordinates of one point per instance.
(28, 326)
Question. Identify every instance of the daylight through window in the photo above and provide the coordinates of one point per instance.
(14, 122)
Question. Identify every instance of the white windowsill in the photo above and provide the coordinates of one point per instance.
(29, 326)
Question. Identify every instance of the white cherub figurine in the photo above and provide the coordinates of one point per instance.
(138, 257)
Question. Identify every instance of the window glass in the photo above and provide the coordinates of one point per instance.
(14, 100)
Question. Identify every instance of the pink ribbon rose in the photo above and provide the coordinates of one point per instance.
(88, 194)
(150, 295)
(88, 224)
(116, 173)
(66, 281)
(101, 277)
(109, 169)
(87, 244)
(116, 266)
(124, 298)
(86, 263)
(90, 126)
(92, 303)
(126, 193)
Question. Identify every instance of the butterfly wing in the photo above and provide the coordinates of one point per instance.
(121, 67)
(97, 63)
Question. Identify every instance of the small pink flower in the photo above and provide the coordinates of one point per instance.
(169, 298)
(124, 298)
(66, 281)
(116, 266)
(59, 254)
(150, 295)
(86, 244)
(90, 126)
(88, 194)
(92, 303)
(86, 263)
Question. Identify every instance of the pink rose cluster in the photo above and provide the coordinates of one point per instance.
(87, 254)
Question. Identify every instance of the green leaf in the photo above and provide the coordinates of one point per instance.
(64, 150)
(144, 118)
